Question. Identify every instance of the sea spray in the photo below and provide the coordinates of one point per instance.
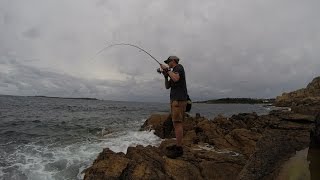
(41, 162)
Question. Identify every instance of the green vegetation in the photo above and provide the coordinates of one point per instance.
(238, 101)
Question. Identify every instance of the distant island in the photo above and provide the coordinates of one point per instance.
(66, 97)
(238, 101)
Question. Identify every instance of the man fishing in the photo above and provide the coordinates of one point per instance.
(178, 100)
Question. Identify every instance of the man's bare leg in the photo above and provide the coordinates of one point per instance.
(178, 129)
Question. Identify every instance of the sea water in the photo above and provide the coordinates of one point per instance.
(53, 138)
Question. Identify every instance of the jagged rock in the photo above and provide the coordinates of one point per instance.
(314, 158)
(245, 120)
(309, 105)
(147, 163)
(213, 149)
(103, 169)
(312, 90)
(243, 140)
(306, 100)
(274, 148)
(151, 163)
(295, 117)
(160, 123)
(315, 133)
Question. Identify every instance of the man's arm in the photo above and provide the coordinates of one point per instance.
(174, 76)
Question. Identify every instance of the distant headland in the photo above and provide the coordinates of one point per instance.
(238, 101)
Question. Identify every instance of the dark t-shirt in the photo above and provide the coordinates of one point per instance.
(179, 90)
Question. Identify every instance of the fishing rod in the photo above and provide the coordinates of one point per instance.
(126, 44)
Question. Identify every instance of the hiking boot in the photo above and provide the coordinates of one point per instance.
(170, 148)
(174, 151)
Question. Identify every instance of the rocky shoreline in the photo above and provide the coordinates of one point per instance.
(305, 100)
(245, 146)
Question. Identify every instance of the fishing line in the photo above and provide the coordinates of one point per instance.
(125, 44)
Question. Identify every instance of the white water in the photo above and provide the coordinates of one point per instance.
(46, 162)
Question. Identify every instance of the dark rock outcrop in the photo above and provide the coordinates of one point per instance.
(272, 150)
(244, 146)
(305, 101)
(315, 133)
(314, 150)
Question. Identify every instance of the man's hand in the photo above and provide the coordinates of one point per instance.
(165, 70)
(165, 74)
(164, 67)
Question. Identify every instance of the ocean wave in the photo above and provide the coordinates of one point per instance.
(49, 162)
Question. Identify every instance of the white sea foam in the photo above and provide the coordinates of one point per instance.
(131, 138)
(48, 162)
(208, 147)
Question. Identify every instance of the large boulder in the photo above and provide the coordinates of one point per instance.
(103, 169)
(306, 100)
(160, 123)
(163, 126)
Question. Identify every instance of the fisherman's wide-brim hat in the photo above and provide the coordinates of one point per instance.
(170, 58)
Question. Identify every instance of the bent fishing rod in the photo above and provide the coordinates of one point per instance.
(132, 45)
(126, 44)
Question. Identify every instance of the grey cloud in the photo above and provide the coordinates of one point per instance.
(28, 80)
(228, 48)
(6, 19)
(32, 33)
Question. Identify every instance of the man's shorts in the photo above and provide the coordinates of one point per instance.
(178, 109)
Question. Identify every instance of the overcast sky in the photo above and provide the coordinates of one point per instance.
(233, 48)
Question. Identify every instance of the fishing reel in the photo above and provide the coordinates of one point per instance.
(160, 71)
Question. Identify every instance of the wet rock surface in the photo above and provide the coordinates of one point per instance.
(244, 146)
